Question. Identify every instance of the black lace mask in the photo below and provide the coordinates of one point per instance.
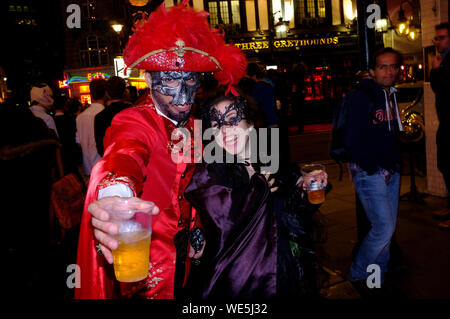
(215, 116)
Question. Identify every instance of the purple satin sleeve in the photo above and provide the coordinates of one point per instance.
(241, 235)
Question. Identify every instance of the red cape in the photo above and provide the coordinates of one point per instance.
(138, 149)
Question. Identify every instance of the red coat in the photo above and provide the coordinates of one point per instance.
(139, 154)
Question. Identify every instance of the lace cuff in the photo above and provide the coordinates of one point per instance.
(113, 179)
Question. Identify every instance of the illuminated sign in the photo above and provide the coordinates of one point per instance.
(98, 75)
(85, 99)
(139, 85)
(63, 84)
(84, 88)
(119, 68)
(305, 42)
(89, 77)
(257, 45)
(294, 43)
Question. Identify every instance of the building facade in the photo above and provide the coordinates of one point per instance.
(315, 40)
(94, 48)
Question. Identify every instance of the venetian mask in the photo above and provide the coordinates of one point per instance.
(174, 92)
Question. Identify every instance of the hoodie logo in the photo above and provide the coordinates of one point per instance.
(380, 116)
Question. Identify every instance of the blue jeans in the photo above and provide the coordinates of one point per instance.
(379, 195)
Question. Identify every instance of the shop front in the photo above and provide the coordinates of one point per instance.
(76, 81)
(323, 64)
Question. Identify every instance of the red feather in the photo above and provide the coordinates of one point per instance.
(165, 26)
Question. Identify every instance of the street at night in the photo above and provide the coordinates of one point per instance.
(235, 157)
(425, 249)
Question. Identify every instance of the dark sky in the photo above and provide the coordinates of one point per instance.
(32, 42)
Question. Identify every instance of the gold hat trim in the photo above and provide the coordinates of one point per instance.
(177, 50)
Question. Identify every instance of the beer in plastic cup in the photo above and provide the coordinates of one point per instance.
(131, 258)
(315, 189)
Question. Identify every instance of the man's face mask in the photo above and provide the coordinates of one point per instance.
(174, 92)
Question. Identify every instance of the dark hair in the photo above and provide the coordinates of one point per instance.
(73, 105)
(133, 93)
(382, 51)
(60, 101)
(115, 86)
(254, 69)
(97, 88)
(442, 26)
(142, 91)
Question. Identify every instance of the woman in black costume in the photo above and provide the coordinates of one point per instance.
(257, 232)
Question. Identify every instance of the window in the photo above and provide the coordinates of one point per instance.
(223, 12)
(88, 9)
(93, 51)
(236, 17)
(311, 9)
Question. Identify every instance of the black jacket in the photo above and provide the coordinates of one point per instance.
(103, 120)
(370, 141)
(440, 83)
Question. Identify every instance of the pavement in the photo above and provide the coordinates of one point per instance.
(425, 268)
(425, 272)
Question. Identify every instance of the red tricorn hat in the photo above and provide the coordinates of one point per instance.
(179, 38)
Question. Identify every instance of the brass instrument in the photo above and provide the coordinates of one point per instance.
(413, 127)
(412, 121)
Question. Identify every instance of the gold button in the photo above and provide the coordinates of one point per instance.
(180, 197)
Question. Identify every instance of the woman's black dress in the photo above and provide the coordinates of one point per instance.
(258, 244)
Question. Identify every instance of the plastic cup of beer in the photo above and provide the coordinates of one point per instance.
(131, 258)
(315, 188)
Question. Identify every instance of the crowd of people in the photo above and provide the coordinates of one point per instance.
(221, 228)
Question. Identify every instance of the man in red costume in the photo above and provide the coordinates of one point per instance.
(174, 45)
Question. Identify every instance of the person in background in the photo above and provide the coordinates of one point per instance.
(41, 104)
(115, 89)
(363, 225)
(263, 93)
(298, 101)
(142, 92)
(73, 107)
(67, 128)
(133, 96)
(440, 83)
(85, 125)
(27, 159)
(374, 150)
